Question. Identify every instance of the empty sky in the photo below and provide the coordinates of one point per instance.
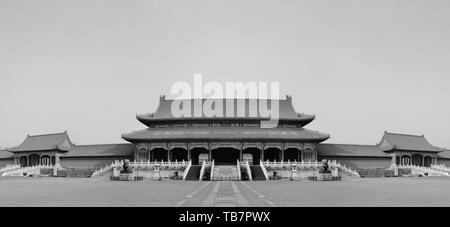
(89, 67)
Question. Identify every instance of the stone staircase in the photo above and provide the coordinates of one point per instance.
(375, 172)
(225, 173)
(441, 167)
(194, 173)
(424, 171)
(9, 168)
(79, 173)
(27, 171)
(257, 173)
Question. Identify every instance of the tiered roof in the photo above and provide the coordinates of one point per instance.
(225, 133)
(404, 142)
(389, 142)
(47, 142)
(62, 142)
(164, 113)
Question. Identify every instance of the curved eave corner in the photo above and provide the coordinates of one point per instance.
(62, 149)
(308, 119)
(143, 118)
(387, 150)
(127, 137)
(324, 138)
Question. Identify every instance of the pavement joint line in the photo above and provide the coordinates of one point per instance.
(263, 197)
(211, 199)
(240, 200)
(191, 195)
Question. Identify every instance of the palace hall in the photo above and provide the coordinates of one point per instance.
(225, 140)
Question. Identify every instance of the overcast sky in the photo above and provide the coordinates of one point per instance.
(89, 67)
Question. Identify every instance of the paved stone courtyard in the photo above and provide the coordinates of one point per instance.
(88, 192)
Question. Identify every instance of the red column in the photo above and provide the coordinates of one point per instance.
(210, 154)
(262, 154)
(241, 155)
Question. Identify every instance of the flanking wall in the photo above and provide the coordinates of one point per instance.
(99, 162)
(444, 161)
(79, 162)
(360, 162)
(91, 162)
(4, 162)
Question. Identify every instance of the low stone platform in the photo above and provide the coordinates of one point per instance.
(126, 177)
(324, 177)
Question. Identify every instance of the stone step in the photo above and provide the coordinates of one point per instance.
(225, 173)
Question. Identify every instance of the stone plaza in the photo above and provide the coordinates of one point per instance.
(82, 192)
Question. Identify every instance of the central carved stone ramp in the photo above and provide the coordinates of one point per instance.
(225, 173)
(225, 194)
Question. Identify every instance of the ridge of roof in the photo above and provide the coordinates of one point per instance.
(49, 134)
(409, 142)
(163, 111)
(105, 144)
(44, 142)
(349, 144)
(403, 134)
(287, 98)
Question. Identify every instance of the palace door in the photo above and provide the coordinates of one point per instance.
(428, 161)
(34, 160)
(23, 161)
(417, 160)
